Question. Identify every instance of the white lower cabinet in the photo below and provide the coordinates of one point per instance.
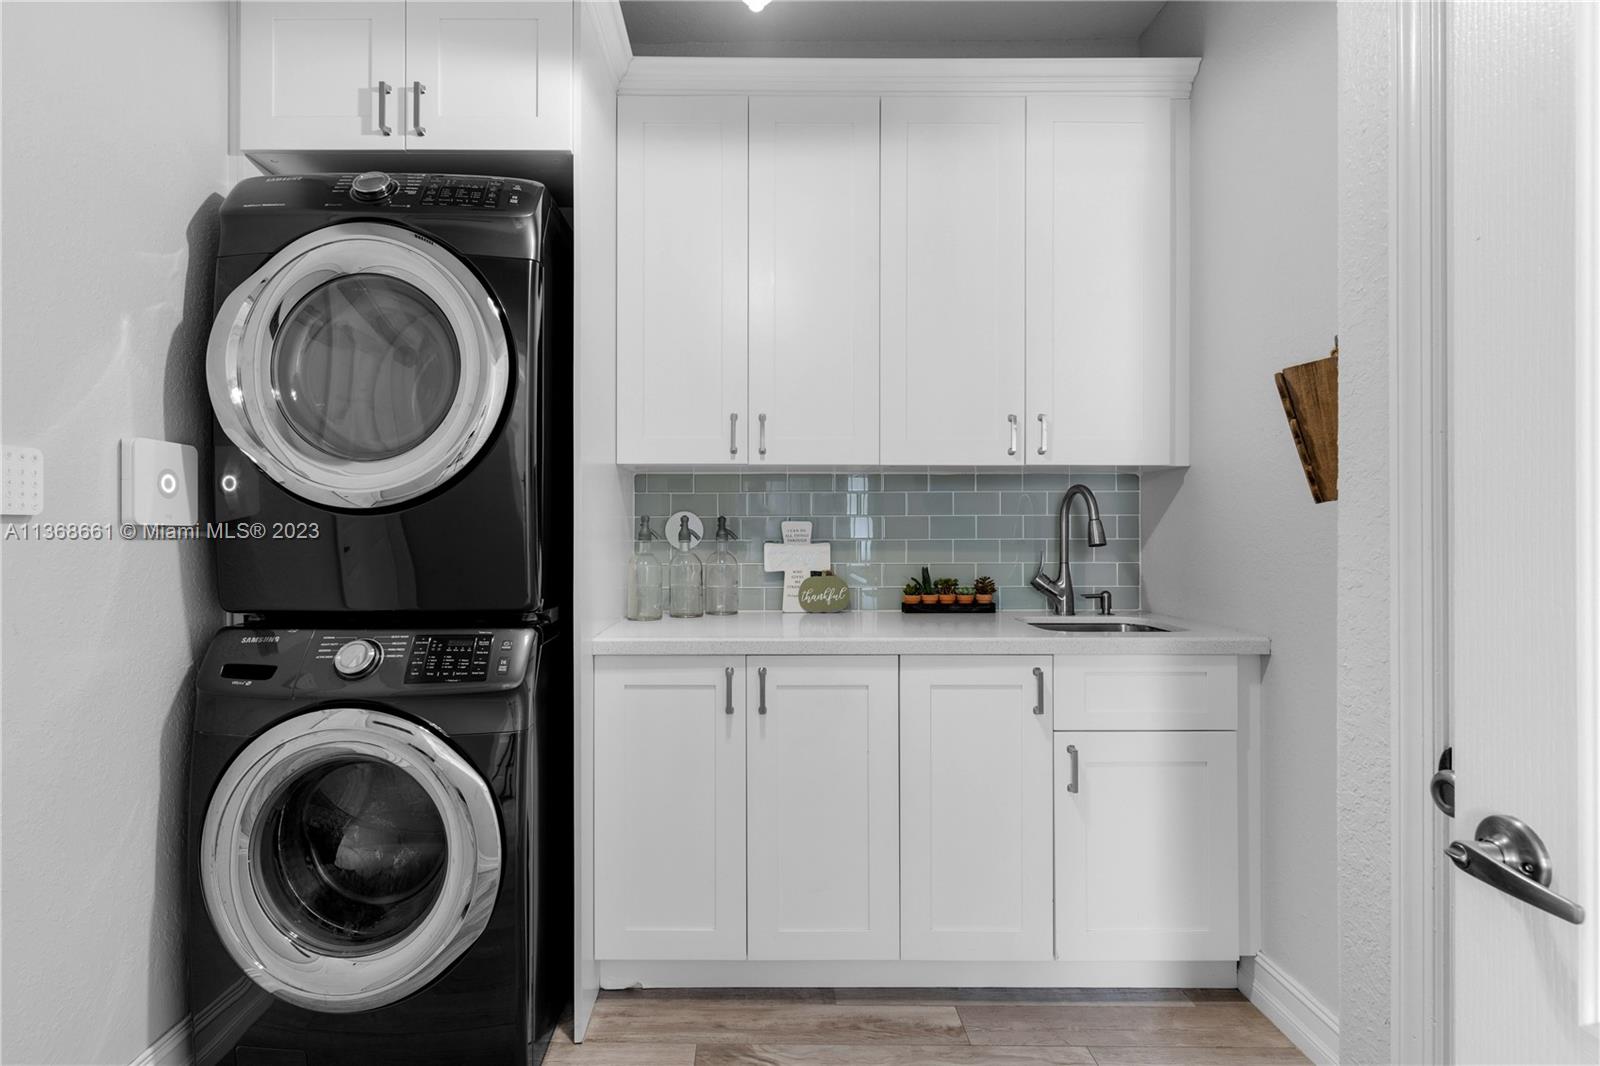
(669, 808)
(824, 811)
(975, 807)
(1147, 846)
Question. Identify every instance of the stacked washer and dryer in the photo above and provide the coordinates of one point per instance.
(380, 778)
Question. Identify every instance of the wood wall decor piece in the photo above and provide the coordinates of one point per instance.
(1310, 394)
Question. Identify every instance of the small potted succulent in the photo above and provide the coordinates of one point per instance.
(930, 594)
(984, 589)
(947, 590)
(964, 595)
(912, 593)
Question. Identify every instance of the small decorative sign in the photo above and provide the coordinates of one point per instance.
(797, 561)
(824, 594)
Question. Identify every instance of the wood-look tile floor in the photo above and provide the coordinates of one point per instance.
(926, 1027)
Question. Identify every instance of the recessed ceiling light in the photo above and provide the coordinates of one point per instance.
(756, 5)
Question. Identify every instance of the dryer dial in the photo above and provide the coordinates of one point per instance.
(372, 187)
(357, 658)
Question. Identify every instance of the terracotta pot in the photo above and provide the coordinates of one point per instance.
(930, 598)
(964, 600)
(947, 598)
(985, 597)
(912, 598)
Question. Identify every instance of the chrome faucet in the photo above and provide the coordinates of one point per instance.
(1059, 592)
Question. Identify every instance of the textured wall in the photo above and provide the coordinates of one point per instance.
(1366, 66)
(885, 526)
(115, 120)
(1236, 538)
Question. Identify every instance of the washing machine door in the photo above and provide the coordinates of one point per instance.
(361, 366)
(348, 856)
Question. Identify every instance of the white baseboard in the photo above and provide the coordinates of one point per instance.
(171, 1049)
(916, 974)
(1286, 1003)
(175, 1047)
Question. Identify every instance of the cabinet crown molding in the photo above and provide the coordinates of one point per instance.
(685, 75)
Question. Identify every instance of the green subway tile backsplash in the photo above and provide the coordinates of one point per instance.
(886, 526)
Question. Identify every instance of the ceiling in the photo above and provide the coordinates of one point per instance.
(889, 28)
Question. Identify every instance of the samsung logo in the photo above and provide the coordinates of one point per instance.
(294, 177)
(259, 640)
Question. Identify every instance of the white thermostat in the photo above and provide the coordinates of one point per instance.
(159, 483)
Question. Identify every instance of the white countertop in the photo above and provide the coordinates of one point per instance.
(893, 633)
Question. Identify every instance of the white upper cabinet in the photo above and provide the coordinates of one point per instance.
(824, 807)
(396, 75)
(952, 280)
(682, 296)
(669, 821)
(814, 279)
(975, 751)
(1107, 342)
(321, 75)
(488, 75)
(1147, 846)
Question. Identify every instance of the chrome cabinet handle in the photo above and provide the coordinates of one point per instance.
(384, 90)
(762, 418)
(1507, 855)
(733, 434)
(1038, 677)
(1014, 427)
(1072, 754)
(762, 675)
(417, 89)
(1044, 433)
(728, 675)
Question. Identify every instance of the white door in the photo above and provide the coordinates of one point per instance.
(1107, 353)
(488, 75)
(814, 279)
(824, 807)
(953, 172)
(975, 808)
(669, 808)
(321, 75)
(1522, 517)
(1147, 846)
(682, 297)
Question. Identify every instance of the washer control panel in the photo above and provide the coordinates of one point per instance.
(449, 658)
(443, 191)
(357, 658)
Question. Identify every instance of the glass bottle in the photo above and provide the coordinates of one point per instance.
(722, 574)
(644, 577)
(687, 596)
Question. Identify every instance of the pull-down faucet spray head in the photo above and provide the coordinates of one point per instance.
(1097, 532)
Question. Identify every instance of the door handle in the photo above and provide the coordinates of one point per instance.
(383, 108)
(1072, 755)
(1038, 678)
(1507, 855)
(1014, 427)
(761, 676)
(733, 434)
(1442, 787)
(417, 89)
(762, 418)
(1044, 433)
(728, 677)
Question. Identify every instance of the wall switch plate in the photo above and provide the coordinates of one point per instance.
(24, 481)
(160, 483)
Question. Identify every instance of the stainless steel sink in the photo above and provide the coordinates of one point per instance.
(1097, 627)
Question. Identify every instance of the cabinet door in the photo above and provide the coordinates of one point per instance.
(975, 808)
(1147, 848)
(1147, 692)
(1104, 341)
(491, 76)
(669, 808)
(824, 807)
(814, 279)
(310, 75)
(682, 298)
(952, 281)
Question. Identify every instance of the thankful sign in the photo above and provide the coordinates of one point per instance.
(824, 594)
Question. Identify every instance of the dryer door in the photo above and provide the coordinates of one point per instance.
(361, 366)
(348, 857)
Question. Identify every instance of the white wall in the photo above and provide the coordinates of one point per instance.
(1236, 538)
(115, 130)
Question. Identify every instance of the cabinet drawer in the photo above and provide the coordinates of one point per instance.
(1147, 692)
